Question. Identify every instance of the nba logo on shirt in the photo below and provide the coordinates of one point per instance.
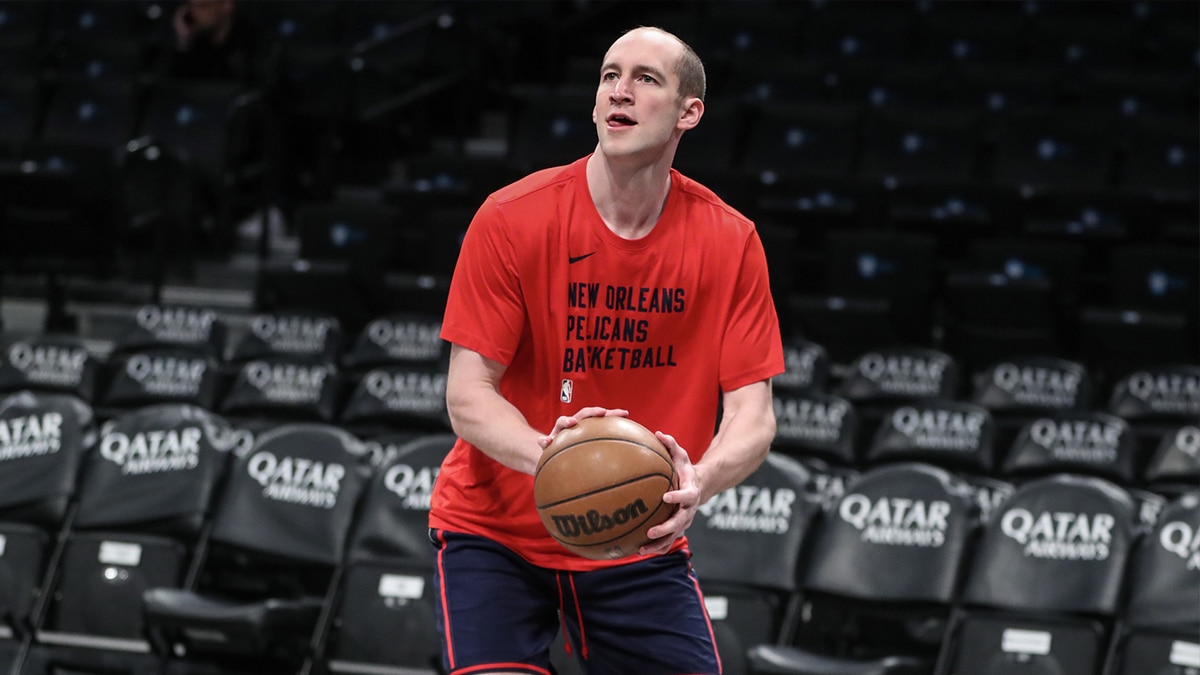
(564, 394)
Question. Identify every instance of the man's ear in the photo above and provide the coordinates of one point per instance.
(693, 110)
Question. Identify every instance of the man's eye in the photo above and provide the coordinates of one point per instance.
(648, 79)
(608, 76)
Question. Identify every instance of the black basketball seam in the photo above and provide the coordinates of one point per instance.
(609, 438)
(610, 486)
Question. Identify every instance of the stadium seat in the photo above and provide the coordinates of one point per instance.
(822, 432)
(48, 362)
(990, 317)
(267, 568)
(1016, 390)
(550, 129)
(1045, 586)
(806, 367)
(1078, 442)
(785, 139)
(383, 620)
(1161, 620)
(880, 577)
(336, 288)
(152, 375)
(1174, 466)
(283, 388)
(746, 547)
(312, 336)
(1050, 150)
(142, 504)
(363, 234)
(45, 439)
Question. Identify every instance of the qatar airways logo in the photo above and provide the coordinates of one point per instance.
(413, 485)
(410, 392)
(1167, 393)
(1182, 540)
(905, 374)
(1187, 441)
(293, 334)
(940, 429)
(406, 340)
(287, 383)
(153, 451)
(810, 420)
(799, 367)
(897, 521)
(1060, 535)
(749, 508)
(167, 375)
(1090, 441)
(297, 480)
(180, 325)
(48, 364)
(1038, 385)
(30, 435)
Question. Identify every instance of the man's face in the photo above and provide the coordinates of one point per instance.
(638, 107)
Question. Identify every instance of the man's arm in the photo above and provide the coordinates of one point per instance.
(742, 441)
(741, 444)
(480, 415)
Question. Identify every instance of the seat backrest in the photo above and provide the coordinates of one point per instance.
(812, 424)
(158, 375)
(286, 388)
(1087, 442)
(294, 494)
(1165, 571)
(1035, 383)
(396, 338)
(896, 374)
(806, 367)
(43, 438)
(405, 396)
(92, 113)
(1059, 544)
(899, 534)
(48, 362)
(1164, 393)
(1175, 465)
(315, 336)
(157, 325)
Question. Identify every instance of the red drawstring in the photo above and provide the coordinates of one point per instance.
(562, 620)
(583, 648)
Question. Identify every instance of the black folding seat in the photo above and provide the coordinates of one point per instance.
(1115, 341)
(313, 336)
(1159, 157)
(1015, 391)
(978, 33)
(999, 88)
(785, 139)
(898, 267)
(20, 111)
(214, 139)
(253, 597)
(1161, 619)
(1155, 278)
(1080, 41)
(103, 59)
(1045, 149)
(328, 287)
(43, 440)
(72, 20)
(1086, 443)
(729, 31)
(383, 617)
(874, 31)
(1135, 93)
(747, 546)
(364, 234)
(151, 375)
(883, 377)
(436, 179)
(849, 326)
(990, 317)
(1165, 393)
(899, 85)
(300, 23)
(157, 324)
(282, 388)
(19, 19)
(757, 78)
(957, 211)
(143, 502)
(1059, 262)
(821, 431)
(50, 362)
(1174, 466)
(957, 436)
(920, 144)
(399, 337)
(806, 367)
(815, 205)
(550, 129)
(882, 572)
(1045, 585)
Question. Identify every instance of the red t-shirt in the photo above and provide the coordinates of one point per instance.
(659, 326)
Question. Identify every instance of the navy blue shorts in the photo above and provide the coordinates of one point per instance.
(498, 612)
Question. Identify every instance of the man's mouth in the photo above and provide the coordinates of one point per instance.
(620, 120)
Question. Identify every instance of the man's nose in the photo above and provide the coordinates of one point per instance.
(620, 90)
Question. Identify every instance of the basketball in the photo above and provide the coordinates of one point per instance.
(599, 487)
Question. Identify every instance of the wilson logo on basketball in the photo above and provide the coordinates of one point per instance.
(592, 522)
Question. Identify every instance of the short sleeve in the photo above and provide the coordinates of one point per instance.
(752, 349)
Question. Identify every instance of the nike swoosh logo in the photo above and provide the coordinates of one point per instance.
(576, 258)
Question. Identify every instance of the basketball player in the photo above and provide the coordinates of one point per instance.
(610, 286)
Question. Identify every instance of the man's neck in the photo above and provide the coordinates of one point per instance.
(629, 200)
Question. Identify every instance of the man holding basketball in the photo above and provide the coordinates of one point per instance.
(610, 286)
